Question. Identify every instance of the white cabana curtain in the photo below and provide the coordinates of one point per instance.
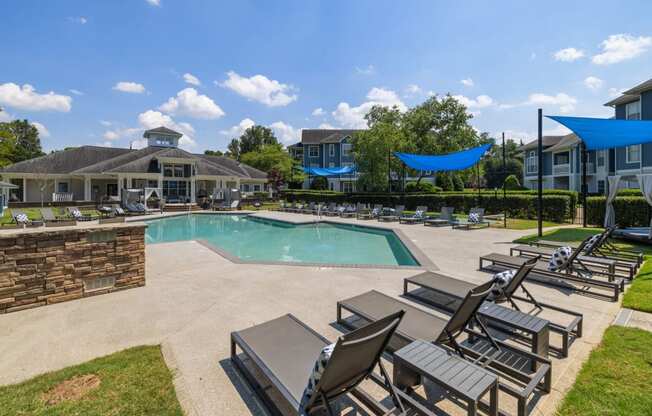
(645, 183)
(610, 215)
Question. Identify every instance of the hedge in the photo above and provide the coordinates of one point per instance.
(631, 211)
(556, 208)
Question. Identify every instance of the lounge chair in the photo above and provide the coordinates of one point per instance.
(447, 292)
(394, 215)
(235, 205)
(52, 220)
(309, 209)
(445, 218)
(317, 209)
(418, 217)
(331, 210)
(364, 213)
(520, 372)
(570, 275)
(597, 265)
(349, 211)
(468, 224)
(76, 214)
(22, 219)
(284, 351)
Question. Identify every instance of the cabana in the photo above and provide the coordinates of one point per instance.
(599, 134)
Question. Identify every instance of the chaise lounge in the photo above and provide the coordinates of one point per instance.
(474, 221)
(418, 217)
(445, 218)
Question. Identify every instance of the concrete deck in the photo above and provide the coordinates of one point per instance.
(194, 298)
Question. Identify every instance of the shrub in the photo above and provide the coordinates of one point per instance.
(631, 211)
(511, 183)
(319, 183)
(629, 192)
(445, 182)
(458, 183)
(426, 187)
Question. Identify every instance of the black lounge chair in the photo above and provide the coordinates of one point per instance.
(392, 215)
(453, 291)
(572, 274)
(418, 217)
(467, 224)
(520, 372)
(22, 219)
(445, 218)
(284, 352)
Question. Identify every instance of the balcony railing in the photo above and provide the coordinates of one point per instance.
(561, 169)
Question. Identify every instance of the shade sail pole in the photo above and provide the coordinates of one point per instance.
(504, 188)
(584, 185)
(540, 174)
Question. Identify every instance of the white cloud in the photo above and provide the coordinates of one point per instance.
(481, 101)
(26, 98)
(76, 92)
(353, 117)
(533, 56)
(412, 90)
(568, 54)
(318, 112)
(326, 126)
(111, 135)
(285, 132)
(191, 79)
(368, 70)
(593, 83)
(42, 130)
(151, 119)
(190, 103)
(4, 116)
(260, 88)
(238, 129)
(621, 47)
(154, 2)
(105, 123)
(565, 102)
(467, 82)
(128, 86)
(80, 19)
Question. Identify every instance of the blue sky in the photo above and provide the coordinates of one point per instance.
(99, 72)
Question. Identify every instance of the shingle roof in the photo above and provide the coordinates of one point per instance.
(566, 142)
(239, 169)
(316, 136)
(547, 142)
(65, 161)
(111, 163)
(623, 99)
(162, 130)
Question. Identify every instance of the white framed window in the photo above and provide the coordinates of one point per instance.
(531, 163)
(331, 150)
(600, 156)
(313, 151)
(633, 110)
(346, 187)
(63, 187)
(346, 149)
(561, 158)
(633, 154)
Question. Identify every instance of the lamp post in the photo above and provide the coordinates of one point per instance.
(540, 174)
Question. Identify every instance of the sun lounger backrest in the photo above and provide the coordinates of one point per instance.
(520, 275)
(466, 311)
(479, 211)
(355, 356)
(447, 213)
(47, 214)
(15, 212)
(422, 208)
(576, 252)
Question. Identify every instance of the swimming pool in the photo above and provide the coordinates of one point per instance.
(256, 239)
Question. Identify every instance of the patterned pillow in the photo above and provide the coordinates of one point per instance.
(318, 371)
(375, 212)
(559, 258)
(501, 280)
(474, 218)
(75, 213)
(119, 211)
(590, 246)
(22, 218)
(418, 214)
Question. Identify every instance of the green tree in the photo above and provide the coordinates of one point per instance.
(252, 140)
(272, 158)
(26, 143)
(320, 183)
(494, 174)
(213, 153)
(512, 183)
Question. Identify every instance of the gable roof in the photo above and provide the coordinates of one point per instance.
(548, 141)
(162, 130)
(66, 161)
(565, 142)
(316, 136)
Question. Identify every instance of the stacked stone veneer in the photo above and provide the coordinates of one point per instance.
(42, 267)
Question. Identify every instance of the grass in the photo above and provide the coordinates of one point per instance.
(521, 224)
(639, 295)
(135, 381)
(616, 378)
(35, 214)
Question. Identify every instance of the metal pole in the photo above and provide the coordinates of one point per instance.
(540, 174)
(584, 186)
(389, 172)
(477, 174)
(504, 189)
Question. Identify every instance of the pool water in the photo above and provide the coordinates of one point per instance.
(256, 239)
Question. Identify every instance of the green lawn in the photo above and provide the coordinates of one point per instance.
(135, 381)
(617, 378)
(521, 224)
(35, 214)
(639, 295)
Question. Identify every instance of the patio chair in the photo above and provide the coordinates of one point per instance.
(445, 218)
(331, 210)
(470, 224)
(572, 274)
(76, 214)
(418, 217)
(220, 206)
(392, 215)
(284, 351)
(431, 285)
(520, 372)
(22, 219)
(235, 205)
(48, 215)
(309, 209)
(350, 211)
(376, 211)
(363, 213)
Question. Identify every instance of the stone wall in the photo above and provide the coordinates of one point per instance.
(42, 266)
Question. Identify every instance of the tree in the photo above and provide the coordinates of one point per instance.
(252, 140)
(320, 183)
(272, 158)
(26, 143)
(512, 183)
(213, 153)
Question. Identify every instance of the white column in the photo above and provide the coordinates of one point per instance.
(120, 187)
(192, 190)
(87, 188)
(24, 190)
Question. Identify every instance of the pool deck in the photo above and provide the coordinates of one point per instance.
(195, 297)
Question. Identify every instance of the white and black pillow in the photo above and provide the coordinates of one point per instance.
(559, 258)
(22, 218)
(474, 218)
(501, 281)
(317, 371)
(418, 214)
(76, 213)
(591, 244)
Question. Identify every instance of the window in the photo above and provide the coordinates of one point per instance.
(633, 110)
(178, 171)
(346, 149)
(600, 157)
(331, 150)
(256, 188)
(331, 186)
(531, 163)
(331, 164)
(601, 186)
(346, 187)
(313, 151)
(112, 189)
(561, 158)
(175, 190)
(62, 187)
(633, 154)
(168, 171)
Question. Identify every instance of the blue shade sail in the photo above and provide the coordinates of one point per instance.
(346, 170)
(600, 133)
(451, 161)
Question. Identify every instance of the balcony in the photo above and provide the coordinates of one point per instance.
(561, 169)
